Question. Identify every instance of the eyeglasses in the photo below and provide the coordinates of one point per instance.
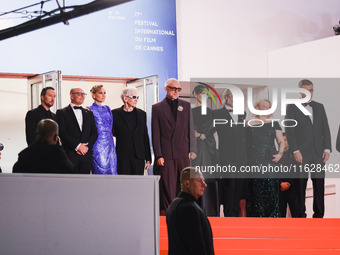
(133, 97)
(80, 94)
(174, 89)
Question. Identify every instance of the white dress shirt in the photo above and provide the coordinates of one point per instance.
(79, 115)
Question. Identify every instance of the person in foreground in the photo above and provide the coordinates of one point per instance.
(44, 155)
(189, 230)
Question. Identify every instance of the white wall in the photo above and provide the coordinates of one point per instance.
(13, 105)
(319, 58)
(224, 38)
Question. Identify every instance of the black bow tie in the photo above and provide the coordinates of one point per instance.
(230, 110)
(77, 107)
(306, 104)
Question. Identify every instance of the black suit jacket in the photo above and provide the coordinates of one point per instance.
(127, 139)
(43, 158)
(288, 160)
(32, 119)
(311, 139)
(232, 140)
(189, 230)
(172, 139)
(71, 135)
(338, 141)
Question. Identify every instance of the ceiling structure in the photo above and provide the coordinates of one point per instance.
(48, 12)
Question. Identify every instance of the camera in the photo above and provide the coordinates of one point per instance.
(336, 29)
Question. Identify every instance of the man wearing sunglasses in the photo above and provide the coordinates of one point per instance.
(131, 132)
(78, 132)
(172, 140)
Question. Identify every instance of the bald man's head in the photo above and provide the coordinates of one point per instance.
(47, 131)
(192, 182)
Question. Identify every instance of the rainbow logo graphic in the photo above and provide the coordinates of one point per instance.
(210, 94)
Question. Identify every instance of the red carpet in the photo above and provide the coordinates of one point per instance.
(269, 236)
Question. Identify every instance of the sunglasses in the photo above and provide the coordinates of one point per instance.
(133, 97)
(80, 94)
(174, 89)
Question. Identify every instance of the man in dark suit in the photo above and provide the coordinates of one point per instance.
(287, 194)
(189, 230)
(232, 151)
(310, 141)
(129, 127)
(44, 155)
(338, 141)
(172, 138)
(78, 131)
(33, 116)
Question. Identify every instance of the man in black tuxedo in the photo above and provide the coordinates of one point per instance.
(189, 230)
(44, 155)
(78, 131)
(33, 116)
(310, 141)
(129, 127)
(232, 150)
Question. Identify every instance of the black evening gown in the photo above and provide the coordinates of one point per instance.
(206, 156)
(263, 193)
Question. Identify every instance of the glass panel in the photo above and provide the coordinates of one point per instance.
(140, 93)
(38, 82)
(35, 94)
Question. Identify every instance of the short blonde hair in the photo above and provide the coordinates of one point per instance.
(258, 102)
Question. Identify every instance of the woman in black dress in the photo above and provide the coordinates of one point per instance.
(206, 151)
(263, 197)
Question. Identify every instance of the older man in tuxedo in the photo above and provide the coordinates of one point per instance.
(310, 142)
(78, 131)
(232, 151)
(43, 111)
(172, 138)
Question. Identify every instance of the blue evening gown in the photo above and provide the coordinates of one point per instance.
(104, 151)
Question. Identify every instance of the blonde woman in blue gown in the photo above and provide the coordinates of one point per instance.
(104, 151)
